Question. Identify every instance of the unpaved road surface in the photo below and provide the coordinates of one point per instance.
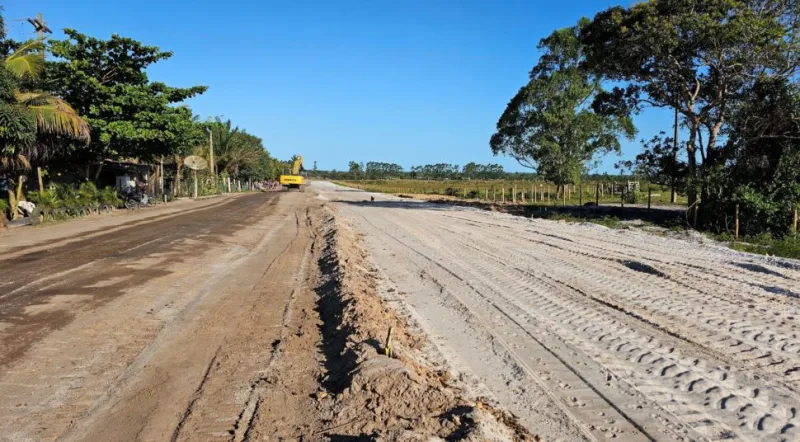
(151, 329)
(251, 317)
(588, 333)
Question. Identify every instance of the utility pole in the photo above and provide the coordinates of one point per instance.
(673, 193)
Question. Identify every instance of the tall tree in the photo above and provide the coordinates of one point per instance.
(107, 83)
(549, 124)
(696, 56)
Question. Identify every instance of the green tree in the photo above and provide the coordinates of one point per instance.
(549, 124)
(31, 121)
(130, 116)
(355, 169)
(235, 149)
(657, 164)
(696, 56)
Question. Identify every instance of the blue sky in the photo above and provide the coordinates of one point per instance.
(412, 82)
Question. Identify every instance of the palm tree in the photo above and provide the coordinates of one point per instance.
(30, 121)
(233, 147)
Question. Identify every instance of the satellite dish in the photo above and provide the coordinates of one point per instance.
(195, 163)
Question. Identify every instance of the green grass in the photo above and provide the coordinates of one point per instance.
(786, 247)
(607, 221)
(479, 189)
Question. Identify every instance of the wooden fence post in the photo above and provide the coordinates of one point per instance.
(649, 196)
(580, 195)
(794, 221)
(487, 194)
(597, 195)
(621, 198)
(503, 195)
(736, 224)
(514, 194)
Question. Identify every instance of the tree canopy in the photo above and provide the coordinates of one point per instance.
(549, 125)
(129, 115)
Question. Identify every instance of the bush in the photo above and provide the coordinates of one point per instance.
(109, 197)
(74, 200)
(44, 200)
(88, 195)
(4, 208)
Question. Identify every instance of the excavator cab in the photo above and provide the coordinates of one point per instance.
(294, 179)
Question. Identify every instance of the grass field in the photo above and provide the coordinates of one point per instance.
(529, 192)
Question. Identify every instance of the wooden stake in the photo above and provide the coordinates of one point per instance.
(514, 195)
(736, 223)
(503, 196)
(794, 220)
(580, 195)
(597, 195)
(649, 196)
(389, 343)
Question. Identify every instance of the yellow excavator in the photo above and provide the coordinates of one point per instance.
(292, 179)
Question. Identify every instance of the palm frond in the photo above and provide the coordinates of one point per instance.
(24, 62)
(14, 162)
(54, 115)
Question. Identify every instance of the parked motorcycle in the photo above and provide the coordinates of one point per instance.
(134, 198)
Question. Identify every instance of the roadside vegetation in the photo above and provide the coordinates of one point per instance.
(70, 107)
(537, 192)
(727, 69)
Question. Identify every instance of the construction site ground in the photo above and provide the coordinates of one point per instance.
(341, 315)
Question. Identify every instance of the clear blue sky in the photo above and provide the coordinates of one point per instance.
(411, 82)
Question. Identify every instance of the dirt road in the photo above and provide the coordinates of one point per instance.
(152, 331)
(245, 318)
(589, 333)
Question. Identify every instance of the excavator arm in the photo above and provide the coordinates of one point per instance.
(297, 167)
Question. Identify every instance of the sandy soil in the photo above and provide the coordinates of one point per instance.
(251, 318)
(588, 333)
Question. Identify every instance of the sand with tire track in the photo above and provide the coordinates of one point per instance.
(586, 332)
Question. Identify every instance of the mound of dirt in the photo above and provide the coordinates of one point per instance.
(374, 396)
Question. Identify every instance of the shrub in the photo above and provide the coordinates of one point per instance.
(44, 200)
(88, 195)
(109, 197)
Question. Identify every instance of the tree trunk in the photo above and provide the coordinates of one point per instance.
(673, 191)
(12, 201)
(99, 169)
(691, 151)
(39, 176)
(177, 190)
(14, 197)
